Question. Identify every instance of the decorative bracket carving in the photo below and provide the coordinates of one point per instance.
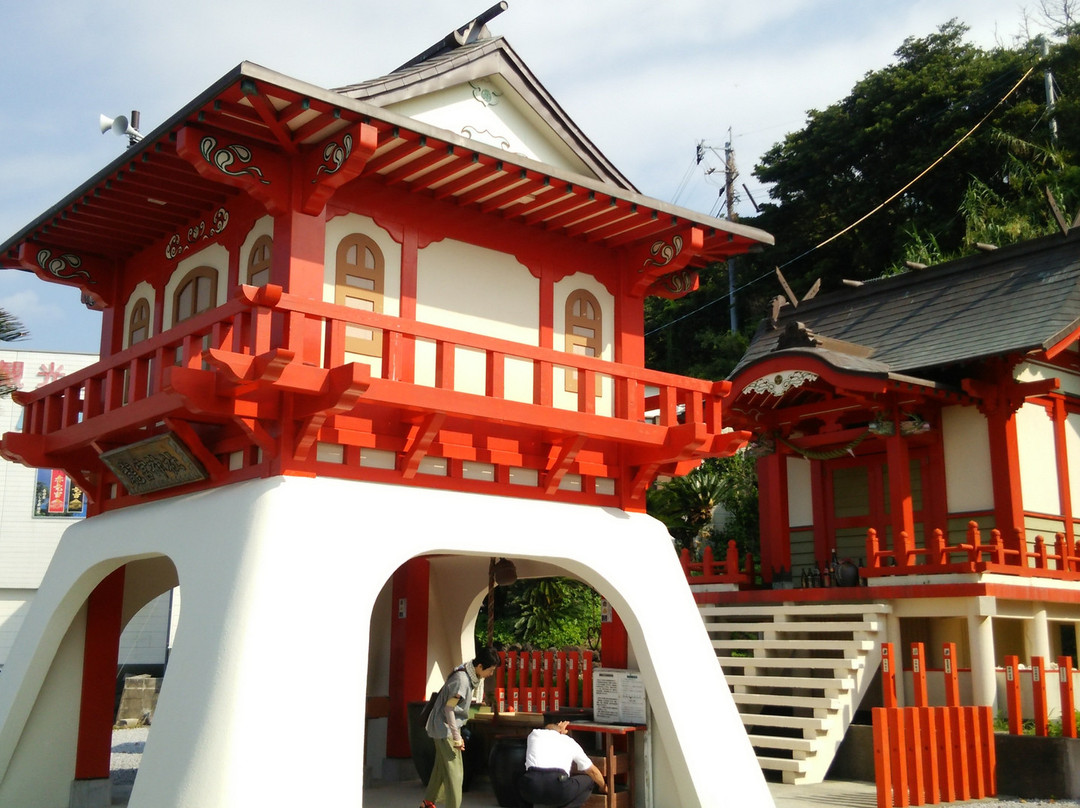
(221, 157)
(664, 257)
(69, 268)
(334, 163)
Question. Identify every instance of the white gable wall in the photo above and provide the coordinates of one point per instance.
(489, 111)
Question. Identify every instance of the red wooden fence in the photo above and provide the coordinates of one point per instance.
(543, 681)
(926, 755)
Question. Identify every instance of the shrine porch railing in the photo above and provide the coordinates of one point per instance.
(1006, 553)
(727, 570)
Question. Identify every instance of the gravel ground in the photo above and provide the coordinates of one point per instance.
(128, 745)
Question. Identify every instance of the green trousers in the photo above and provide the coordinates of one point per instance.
(446, 775)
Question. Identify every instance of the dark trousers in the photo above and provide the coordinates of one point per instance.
(555, 787)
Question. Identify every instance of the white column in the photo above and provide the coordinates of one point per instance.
(1037, 637)
(892, 634)
(983, 669)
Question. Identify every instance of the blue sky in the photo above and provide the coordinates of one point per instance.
(645, 80)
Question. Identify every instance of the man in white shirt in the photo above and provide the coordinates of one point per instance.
(558, 773)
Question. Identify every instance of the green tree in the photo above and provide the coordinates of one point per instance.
(688, 506)
(544, 613)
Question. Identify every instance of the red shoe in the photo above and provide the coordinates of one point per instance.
(427, 804)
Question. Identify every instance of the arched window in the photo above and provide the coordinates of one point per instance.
(584, 327)
(359, 285)
(196, 293)
(139, 322)
(258, 268)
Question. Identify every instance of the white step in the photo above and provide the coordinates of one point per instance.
(789, 682)
(778, 742)
(787, 609)
(794, 626)
(783, 764)
(842, 646)
(803, 722)
(790, 663)
(809, 702)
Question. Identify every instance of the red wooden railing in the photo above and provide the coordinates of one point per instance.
(1006, 554)
(543, 681)
(259, 320)
(711, 571)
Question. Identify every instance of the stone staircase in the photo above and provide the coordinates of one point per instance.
(797, 674)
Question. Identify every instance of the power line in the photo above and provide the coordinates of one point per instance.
(863, 218)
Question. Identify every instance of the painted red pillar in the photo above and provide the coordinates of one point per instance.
(297, 261)
(614, 641)
(1005, 470)
(1061, 453)
(104, 610)
(408, 651)
(900, 503)
(772, 514)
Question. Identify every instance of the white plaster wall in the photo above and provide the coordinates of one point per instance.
(1072, 448)
(1038, 463)
(968, 484)
(479, 291)
(492, 113)
(337, 229)
(800, 492)
(218, 725)
(215, 256)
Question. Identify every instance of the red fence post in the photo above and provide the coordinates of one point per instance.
(898, 753)
(888, 677)
(1012, 694)
(1068, 702)
(946, 728)
(586, 679)
(986, 719)
(952, 678)
(918, 674)
(976, 755)
(532, 700)
(960, 755)
(913, 731)
(1038, 695)
(883, 776)
(930, 768)
(560, 682)
(572, 680)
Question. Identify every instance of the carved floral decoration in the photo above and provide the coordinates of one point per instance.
(64, 266)
(334, 155)
(228, 159)
(779, 383)
(197, 233)
(488, 96)
(663, 253)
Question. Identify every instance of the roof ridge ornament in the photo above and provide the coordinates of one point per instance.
(473, 31)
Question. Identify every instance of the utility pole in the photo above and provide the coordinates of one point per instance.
(730, 173)
(1051, 98)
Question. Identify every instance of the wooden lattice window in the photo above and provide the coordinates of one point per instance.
(258, 268)
(359, 285)
(584, 329)
(139, 322)
(196, 293)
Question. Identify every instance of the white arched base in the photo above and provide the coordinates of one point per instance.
(280, 572)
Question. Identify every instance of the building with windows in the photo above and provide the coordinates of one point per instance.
(920, 435)
(356, 344)
(36, 508)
